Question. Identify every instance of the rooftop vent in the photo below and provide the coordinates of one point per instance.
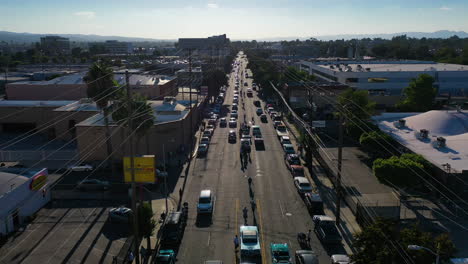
(424, 133)
(401, 123)
(441, 142)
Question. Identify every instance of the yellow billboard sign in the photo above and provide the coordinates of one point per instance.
(145, 171)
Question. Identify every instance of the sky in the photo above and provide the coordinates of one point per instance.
(239, 19)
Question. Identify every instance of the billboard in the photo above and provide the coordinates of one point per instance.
(145, 171)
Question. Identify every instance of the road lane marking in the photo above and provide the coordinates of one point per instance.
(281, 208)
(209, 237)
(260, 223)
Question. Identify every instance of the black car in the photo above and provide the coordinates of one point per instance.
(257, 103)
(174, 227)
(263, 118)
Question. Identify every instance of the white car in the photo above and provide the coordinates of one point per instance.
(80, 167)
(285, 140)
(302, 185)
(120, 214)
(160, 173)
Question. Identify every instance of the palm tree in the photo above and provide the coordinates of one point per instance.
(100, 82)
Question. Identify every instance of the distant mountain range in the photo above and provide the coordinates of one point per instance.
(31, 37)
(436, 34)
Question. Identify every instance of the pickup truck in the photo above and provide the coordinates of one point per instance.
(326, 230)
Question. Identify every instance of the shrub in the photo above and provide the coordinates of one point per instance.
(398, 171)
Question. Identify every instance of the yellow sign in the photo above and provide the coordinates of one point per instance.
(38, 180)
(145, 171)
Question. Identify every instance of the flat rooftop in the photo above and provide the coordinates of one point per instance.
(451, 125)
(394, 67)
(28, 103)
(78, 106)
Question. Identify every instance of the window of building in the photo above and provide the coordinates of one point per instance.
(352, 80)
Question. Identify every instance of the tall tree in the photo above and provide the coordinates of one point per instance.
(419, 95)
(146, 222)
(214, 79)
(100, 82)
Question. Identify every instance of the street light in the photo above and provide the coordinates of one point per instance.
(416, 247)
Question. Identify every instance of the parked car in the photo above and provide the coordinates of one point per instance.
(205, 202)
(207, 133)
(289, 149)
(314, 203)
(340, 259)
(259, 111)
(161, 174)
(93, 184)
(174, 226)
(285, 140)
(306, 257)
(259, 144)
(80, 167)
(302, 185)
(277, 123)
(223, 122)
(249, 241)
(205, 140)
(325, 228)
(297, 170)
(263, 118)
(120, 214)
(257, 103)
(292, 159)
(202, 150)
(281, 131)
(234, 107)
(165, 256)
(280, 253)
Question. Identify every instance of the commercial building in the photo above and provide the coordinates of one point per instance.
(211, 46)
(169, 134)
(389, 78)
(320, 94)
(54, 45)
(73, 87)
(441, 137)
(117, 47)
(22, 193)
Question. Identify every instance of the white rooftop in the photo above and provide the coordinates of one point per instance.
(451, 125)
(396, 67)
(28, 103)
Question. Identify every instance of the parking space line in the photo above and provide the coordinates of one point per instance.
(262, 240)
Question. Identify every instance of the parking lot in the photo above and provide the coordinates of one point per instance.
(75, 231)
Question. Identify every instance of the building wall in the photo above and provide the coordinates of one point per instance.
(25, 201)
(167, 89)
(45, 92)
(43, 117)
(173, 134)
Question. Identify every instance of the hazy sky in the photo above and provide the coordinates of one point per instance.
(239, 19)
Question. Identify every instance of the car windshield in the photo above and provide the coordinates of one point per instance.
(204, 200)
(281, 254)
(162, 259)
(281, 128)
(250, 239)
(304, 185)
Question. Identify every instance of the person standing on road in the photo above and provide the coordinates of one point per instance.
(131, 257)
(236, 242)
(245, 211)
(308, 236)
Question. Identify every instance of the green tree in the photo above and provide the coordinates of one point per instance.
(100, 82)
(146, 222)
(214, 79)
(378, 144)
(382, 243)
(373, 243)
(419, 95)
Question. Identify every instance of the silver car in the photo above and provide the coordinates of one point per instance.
(93, 184)
(120, 214)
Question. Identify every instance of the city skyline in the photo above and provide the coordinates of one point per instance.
(240, 20)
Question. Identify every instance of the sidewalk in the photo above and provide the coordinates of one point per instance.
(348, 224)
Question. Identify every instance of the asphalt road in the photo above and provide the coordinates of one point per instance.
(280, 212)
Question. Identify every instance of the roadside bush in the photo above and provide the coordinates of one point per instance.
(356, 128)
(398, 171)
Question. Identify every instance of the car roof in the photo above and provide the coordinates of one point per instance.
(323, 218)
(285, 137)
(340, 257)
(293, 156)
(297, 167)
(205, 193)
(314, 197)
(301, 179)
(173, 217)
(245, 228)
(288, 146)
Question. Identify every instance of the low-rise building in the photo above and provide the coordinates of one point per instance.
(22, 193)
(441, 137)
(187, 78)
(73, 87)
(118, 47)
(211, 46)
(385, 80)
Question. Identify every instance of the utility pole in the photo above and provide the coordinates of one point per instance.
(190, 99)
(165, 177)
(132, 168)
(340, 159)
